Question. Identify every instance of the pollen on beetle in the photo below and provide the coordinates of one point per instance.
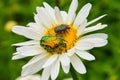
(59, 39)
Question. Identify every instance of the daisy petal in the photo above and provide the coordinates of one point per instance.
(38, 28)
(64, 59)
(98, 41)
(45, 20)
(36, 59)
(33, 68)
(50, 10)
(71, 51)
(96, 19)
(85, 55)
(55, 70)
(27, 43)
(37, 19)
(64, 16)
(29, 50)
(24, 31)
(50, 60)
(82, 14)
(46, 73)
(96, 35)
(94, 28)
(84, 45)
(72, 11)
(81, 27)
(77, 64)
(66, 68)
(58, 15)
(15, 57)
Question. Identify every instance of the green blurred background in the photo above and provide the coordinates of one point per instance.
(107, 63)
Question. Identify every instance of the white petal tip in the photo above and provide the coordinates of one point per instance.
(14, 28)
(89, 4)
(84, 72)
(37, 8)
(105, 25)
(13, 58)
(56, 8)
(93, 58)
(104, 15)
(44, 3)
(13, 45)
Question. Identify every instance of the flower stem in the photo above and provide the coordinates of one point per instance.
(73, 73)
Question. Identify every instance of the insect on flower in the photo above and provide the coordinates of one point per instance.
(61, 28)
(52, 43)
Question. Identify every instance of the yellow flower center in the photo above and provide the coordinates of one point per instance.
(59, 39)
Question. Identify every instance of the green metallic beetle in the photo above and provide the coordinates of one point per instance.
(52, 43)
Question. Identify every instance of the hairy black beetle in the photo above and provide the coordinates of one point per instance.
(61, 28)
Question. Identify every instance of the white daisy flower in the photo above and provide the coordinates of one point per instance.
(30, 77)
(57, 37)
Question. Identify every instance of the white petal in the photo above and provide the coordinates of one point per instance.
(40, 21)
(77, 64)
(45, 19)
(94, 28)
(15, 57)
(71, 51)
(66, 68)
(101, 43)
(82, 15)
(64, 59)
(25, 31)
(72, 11)
(46, 73)
(50, 19)
(50, 10)
(96, 35)
(36, 59)
(27, 43)
(58, 15)
(38, 28)
(33, 68)
(96, 19)
(85, 55)
(55, 70)
(98, 41)
(50, 60)
(81, 27)
(29, 50)
(37, 19)
(64, 16)
(84, 45)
